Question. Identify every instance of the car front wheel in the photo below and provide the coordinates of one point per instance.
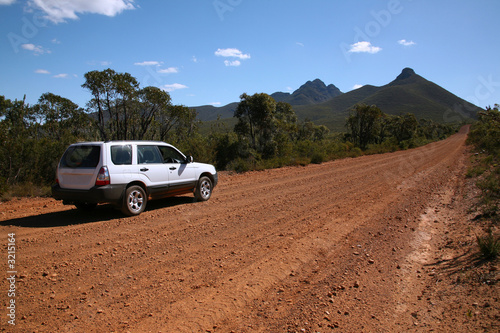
(134, 201)
(203, 189)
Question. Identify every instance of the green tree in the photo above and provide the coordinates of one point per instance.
(264, 123)
(17, 138)
(364, 124)
(154, 110)
(255, 119)
(57, 118)
(286, 120)
(124, 111)
(485, 134)
(405, 127)
(114, 101)
(309, 131)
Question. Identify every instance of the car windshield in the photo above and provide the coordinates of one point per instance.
(81, 157)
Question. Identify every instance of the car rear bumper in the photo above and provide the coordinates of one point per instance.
(97, 194)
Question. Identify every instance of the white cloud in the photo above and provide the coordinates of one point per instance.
(58, 11)
(42, 71)
(234, 53)
(99, 63)
(148, 63)
(300, 44)
(234, 63)
(169, 70)
(172, 87)
(36, 49)
(364, 47)
(357, 86)
(61, 76)
(7, 2)
(215, 103)
(406, 42)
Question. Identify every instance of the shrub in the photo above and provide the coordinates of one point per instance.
(489, 246)
(318, 158)
(26, 189)
(242, 165)
(485, 136)
(475, 171)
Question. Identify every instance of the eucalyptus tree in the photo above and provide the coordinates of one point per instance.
(58, 117)
(363, 124)
(265, 123)
(114, 102)
(124, 111)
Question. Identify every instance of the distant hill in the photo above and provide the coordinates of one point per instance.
(409, 92)
(311, 92)
(326, 105)
(210, 112)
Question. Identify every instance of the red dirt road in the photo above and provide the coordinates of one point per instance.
(353, 245)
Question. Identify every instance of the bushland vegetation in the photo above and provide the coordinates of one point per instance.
(485, 138)
(267, 133)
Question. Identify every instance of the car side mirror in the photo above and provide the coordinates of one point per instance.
(189, 159)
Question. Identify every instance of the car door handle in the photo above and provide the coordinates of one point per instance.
(172, 168)
(144, 169)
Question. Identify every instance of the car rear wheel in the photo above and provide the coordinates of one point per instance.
(204, 188)
(134, 201)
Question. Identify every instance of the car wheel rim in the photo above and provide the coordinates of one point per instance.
(135, 201)
(205, 189)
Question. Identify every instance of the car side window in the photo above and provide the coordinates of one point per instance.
(148, 155)
(170, 155)
(121, 155)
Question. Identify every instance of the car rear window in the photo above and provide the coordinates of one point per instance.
(81, 157)
(121, 155)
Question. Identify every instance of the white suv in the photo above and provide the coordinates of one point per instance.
(129, 173)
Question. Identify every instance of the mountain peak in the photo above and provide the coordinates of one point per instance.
(311, 92)
(406, 73)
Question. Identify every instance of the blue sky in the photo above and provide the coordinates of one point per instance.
(211, 51)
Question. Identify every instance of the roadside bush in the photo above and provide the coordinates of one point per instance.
(300, 161)
(26, 189)
(475, 171)
(490, 188)
(199, 147)
(242, 165)
(318, 158)
(489, 246)
(485, 136)
(355, 152)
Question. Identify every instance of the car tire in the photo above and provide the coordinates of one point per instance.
(204, 189)
(134, 201)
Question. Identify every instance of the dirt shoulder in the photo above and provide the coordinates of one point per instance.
(381, 243)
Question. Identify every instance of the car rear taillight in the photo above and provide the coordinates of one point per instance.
(102, 177)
